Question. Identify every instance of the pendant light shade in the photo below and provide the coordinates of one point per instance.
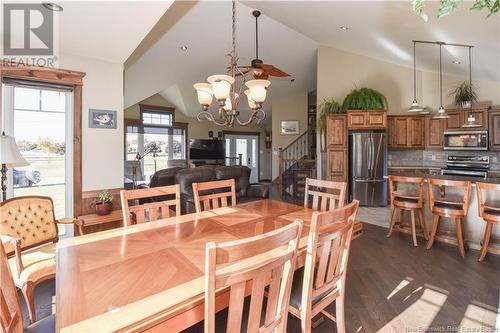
(441, 113)
(471, 119)
(415, 107)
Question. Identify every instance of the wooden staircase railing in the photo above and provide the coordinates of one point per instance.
(296, 161)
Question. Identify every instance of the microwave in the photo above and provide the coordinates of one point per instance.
(466, 140)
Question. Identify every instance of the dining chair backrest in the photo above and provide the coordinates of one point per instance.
(214, 194)
(11, 319)
(404, 189)
(326, 195)
(259, 261)
(439, 193)
(488, 200)
(154, 210)
(327, 255)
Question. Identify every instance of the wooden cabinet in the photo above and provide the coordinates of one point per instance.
(357, 119)
(337, 164)
(336, 150)
(456, 120)
(494, 132)
(336, 133)
(406, 132)
(434, 132)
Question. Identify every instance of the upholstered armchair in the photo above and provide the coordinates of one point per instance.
(28, 229)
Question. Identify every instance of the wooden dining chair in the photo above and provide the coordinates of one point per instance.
(31, 224)
(169, 197)
(212, 194)
(266, 263)
(326, 195)
(322, 280)
(11, 316)
(449, 198)
(407, 194)
(488, 201)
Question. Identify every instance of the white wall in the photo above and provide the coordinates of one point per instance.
(102, 149)
(293, 107)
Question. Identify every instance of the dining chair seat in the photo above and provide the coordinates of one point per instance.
(39, 263)
(45, 325)
(296, 295)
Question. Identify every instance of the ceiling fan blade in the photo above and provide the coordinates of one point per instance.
(262, 75)
(273, 71)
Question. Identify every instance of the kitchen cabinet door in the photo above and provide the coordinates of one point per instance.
(434, 133)
(456, 120)
(336, 131)
(337, 164)
(416, 130)
(494, 132)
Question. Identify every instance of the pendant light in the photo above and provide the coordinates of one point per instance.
(441, 113)
(471, 120)
(414, 105)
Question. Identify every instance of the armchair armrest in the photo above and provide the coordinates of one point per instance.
(66, 220)
(16, 242)
(258, 191)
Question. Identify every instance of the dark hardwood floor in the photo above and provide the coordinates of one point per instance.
(395, 287)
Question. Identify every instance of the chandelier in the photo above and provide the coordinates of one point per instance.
(228, 89)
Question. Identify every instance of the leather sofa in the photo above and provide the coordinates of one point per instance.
(186, 177)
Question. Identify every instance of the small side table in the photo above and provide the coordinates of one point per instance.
(100, 222)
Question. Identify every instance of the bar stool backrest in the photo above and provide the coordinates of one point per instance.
(407, 188)
(488, 198)
(449, 192)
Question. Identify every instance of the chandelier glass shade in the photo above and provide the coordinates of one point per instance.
(227, 89)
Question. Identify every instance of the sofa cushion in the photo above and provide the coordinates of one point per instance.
(240, 174)
(164, 177)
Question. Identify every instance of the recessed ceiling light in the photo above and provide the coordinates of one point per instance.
(184, 48)
(52, 6)
(456, 62)
(343, 27)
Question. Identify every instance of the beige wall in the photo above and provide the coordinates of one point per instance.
(339, 72)
(294, 107)
(199, 129)
(102, 149)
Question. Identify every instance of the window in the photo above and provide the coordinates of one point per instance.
(156, 139)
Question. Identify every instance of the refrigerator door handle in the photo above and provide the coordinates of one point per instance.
(370, 180)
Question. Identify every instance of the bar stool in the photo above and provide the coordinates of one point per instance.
(443, 206)
(412, 199)
(489, 213)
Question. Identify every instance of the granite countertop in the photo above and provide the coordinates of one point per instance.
(493, 180)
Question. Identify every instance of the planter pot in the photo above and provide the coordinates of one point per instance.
(466, 105)
(103, 208)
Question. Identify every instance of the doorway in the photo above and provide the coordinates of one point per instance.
(247, 144)
(41, 120)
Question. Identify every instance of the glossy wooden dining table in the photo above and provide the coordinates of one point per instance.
(150, 277)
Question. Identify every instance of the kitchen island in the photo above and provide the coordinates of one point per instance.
(472, 224)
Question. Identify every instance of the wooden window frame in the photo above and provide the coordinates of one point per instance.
(158, 110)
(58, 76)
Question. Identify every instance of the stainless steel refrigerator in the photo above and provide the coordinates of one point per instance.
(368, 168)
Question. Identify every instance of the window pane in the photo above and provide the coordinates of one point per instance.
(53, 100)
(157, 118)
(178, 144)
(27, 99)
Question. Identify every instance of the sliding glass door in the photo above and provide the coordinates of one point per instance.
(40, 119)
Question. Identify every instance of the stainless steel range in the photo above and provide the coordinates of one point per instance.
(471, 166)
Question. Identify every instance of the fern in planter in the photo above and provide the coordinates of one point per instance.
(464, 95)
(365, 99)
(328, 106)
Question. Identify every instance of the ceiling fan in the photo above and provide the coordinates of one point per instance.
(258, 68)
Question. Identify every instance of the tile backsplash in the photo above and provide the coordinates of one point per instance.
(435, 158)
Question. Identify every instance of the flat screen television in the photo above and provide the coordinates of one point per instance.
(207, 149)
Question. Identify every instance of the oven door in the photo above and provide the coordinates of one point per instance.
(466, 140)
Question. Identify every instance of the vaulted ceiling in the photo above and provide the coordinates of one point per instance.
(290, 33)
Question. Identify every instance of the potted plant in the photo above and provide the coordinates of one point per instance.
(365, 99)
(464, 95)
(104, 203)
(328, 106)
